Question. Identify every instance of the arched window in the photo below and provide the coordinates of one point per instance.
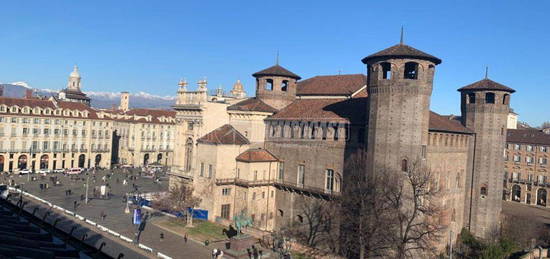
(386, 70)
(506, 99)
(483, 190)
(411, 70)
(489, 98)
(269, 84)
(471, 98)
(284, 85)
(404, 165)
(188, 154)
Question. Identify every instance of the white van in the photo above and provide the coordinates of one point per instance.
(71, 171)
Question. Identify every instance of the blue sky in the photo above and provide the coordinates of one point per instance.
(149, 45)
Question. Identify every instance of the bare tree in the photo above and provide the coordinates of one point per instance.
(179, 198)
(315, 222)
(413, 199)
(389, 212)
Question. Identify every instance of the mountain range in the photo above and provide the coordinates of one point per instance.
(101, 100)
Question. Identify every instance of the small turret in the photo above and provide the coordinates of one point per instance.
(276, 86)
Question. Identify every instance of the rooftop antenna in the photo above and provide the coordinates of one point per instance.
(401, 40)
(277, 59)
(486, 72)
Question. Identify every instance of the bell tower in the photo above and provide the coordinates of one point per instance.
(276, 86)
(74, 80)
(400, 82)
(485, 106)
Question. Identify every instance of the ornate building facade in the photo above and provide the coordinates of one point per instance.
(262, 155)
(65, 132)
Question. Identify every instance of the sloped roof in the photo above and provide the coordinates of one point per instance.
(224, 135)
(528, 136)
(276, 70)
(486, 84)
(31, 102)
(332, 85)
(401, 51)
(252, 104)
(335, 110)
(152, 112)
(256, 155)
(446, 124)
(75, 94)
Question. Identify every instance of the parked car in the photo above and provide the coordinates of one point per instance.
(44, 171)
(74, 171)
(24, 171)
(59, 171)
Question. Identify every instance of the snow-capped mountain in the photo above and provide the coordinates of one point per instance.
(99, 99)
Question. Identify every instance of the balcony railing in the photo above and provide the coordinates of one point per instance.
(277, 183)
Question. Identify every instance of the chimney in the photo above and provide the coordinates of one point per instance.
(28, 94)
(124, 101)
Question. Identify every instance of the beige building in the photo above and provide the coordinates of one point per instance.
(65, 132)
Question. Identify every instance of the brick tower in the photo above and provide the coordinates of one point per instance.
(485, 106)
(276, 86)
(400, 82)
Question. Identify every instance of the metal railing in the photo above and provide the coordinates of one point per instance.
(278, 183)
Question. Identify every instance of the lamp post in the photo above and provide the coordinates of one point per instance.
(87, 179)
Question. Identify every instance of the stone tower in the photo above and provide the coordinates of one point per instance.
(276, 86)
(74, 80)
(485, 108)
(124, 101)
(400, 82)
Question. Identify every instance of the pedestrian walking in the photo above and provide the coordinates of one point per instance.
(74, 205)
(185, 238)
(161, 236)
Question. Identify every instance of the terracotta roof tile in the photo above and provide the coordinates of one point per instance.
(224, 135)
(446, 124)
(336, 110)
(486, 84)
(401, 51)
(276, 71)
(252, 104)
(332, 85)
(256, 155)
(528, 136)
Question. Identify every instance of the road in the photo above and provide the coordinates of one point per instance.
(115, 219)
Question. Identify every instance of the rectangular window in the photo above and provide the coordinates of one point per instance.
(300, 178)
(543, 160)
(210, 169)
(255, 175)
(423, 151)
(330, 180)
(517, 158)
(529, 148)
(225, 211)
(226, 191)
(515, 176)
(202, 170)
(529, 160)
(541, 179)
(281, 171)
(517, 146)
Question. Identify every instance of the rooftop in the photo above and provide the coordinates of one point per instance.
(528, 136)
(256, 155)
(332, 85)
(401, 51)
(486, 84)
(224, 135)
(276, 70)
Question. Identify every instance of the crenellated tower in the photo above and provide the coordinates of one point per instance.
(485, 106)
(400, 80)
